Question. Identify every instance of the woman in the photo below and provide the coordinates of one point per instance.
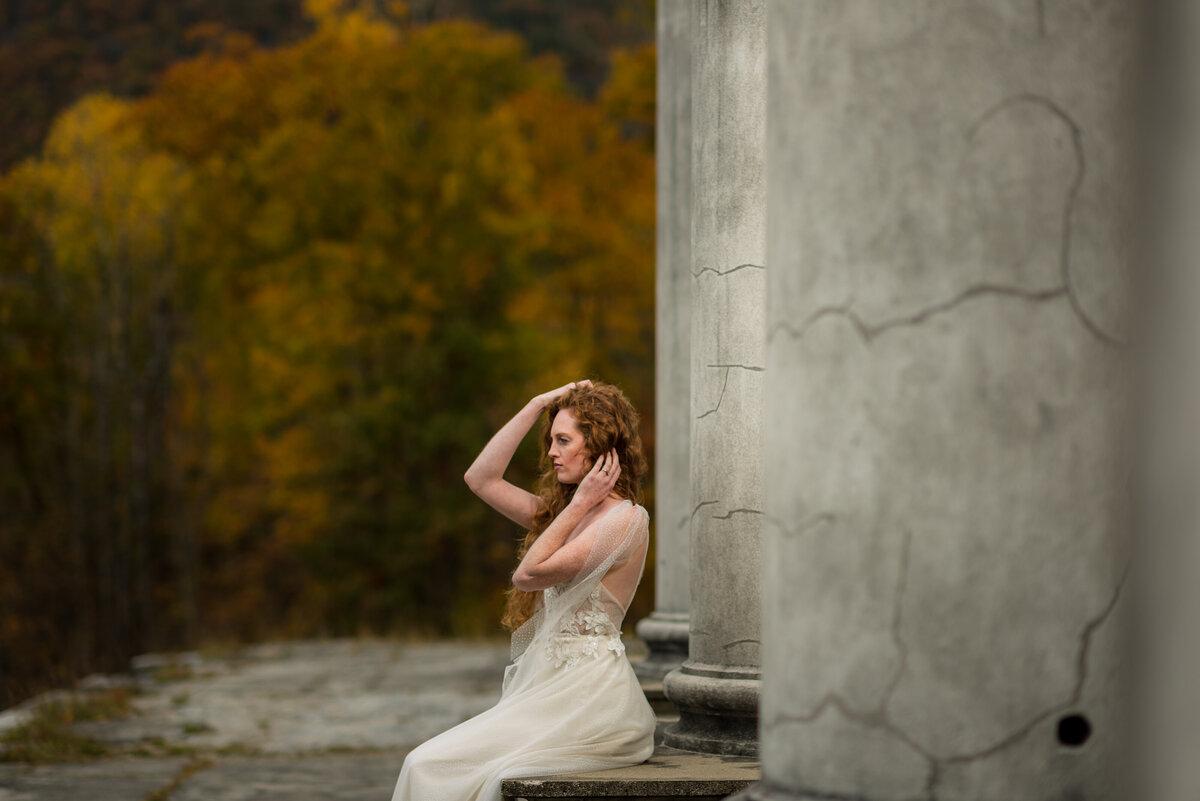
(570, 700)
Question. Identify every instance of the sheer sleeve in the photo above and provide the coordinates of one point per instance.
(619, 535)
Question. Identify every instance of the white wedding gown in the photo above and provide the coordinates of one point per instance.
(570, 702)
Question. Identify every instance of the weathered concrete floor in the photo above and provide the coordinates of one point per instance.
(348, 777)
(109, 780)
(292, 721)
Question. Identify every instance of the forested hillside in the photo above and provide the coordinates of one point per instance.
(52, 52)
(255, 324)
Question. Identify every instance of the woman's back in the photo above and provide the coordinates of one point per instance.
(570, 700)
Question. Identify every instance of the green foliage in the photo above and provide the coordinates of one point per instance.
(48, 737)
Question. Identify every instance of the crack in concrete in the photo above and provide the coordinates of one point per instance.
(700, 506)
(877, 719)
(749, 367)
(870, 332)
(881, 719)
(897, 612)
(724, 386)
(189, 769)
(731, 270)
(733, 512)
(1081, 660)
(1066, 289)
(1081, 672)
(1064, 251)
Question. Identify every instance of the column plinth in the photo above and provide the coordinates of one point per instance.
(718, 709)
(666, 636)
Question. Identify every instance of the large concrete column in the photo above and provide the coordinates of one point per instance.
(946, 541)
(716, 689)
(665, 632)
(1167, 695)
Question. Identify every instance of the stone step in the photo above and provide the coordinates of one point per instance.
(668, 774)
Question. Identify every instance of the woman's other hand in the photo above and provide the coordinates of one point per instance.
(546, 398)
(599, 481)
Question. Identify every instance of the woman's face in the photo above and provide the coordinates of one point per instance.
(567, 454)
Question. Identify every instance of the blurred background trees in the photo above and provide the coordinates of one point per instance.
(258, 315)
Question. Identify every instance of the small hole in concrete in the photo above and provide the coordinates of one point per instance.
(1074, 730)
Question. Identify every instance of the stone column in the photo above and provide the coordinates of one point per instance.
(665, 632)
(1167, 695)
(716, 689)
(946, 539)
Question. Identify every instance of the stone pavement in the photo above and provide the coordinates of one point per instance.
(295, 721)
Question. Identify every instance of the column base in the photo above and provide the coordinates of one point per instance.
(666, 635)
(718, 709)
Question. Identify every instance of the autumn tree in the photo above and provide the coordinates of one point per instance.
(89, 297)
(286, 299)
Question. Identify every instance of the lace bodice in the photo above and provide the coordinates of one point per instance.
(590, 632)
(599, 615)
(580, 618)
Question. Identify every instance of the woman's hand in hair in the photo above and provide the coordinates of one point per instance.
(546, 398)
(599, 481)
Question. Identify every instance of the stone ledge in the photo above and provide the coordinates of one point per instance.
(668, 774)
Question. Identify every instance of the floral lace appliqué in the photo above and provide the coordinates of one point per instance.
(589, 633)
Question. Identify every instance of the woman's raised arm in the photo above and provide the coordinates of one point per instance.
(552, 559)
(485, 476)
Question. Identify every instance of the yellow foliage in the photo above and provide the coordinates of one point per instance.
(376, 239)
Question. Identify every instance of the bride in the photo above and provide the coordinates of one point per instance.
(570, 700)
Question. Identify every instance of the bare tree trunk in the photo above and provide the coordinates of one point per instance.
(157, 468)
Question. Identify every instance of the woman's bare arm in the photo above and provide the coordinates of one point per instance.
(551, 559)
(485, 476)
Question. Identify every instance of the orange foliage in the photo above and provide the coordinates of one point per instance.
(378, 240)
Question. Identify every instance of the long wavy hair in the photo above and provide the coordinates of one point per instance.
(607, 420)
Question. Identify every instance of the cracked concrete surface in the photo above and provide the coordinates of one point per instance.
(1065, 290)
(728, 282)
(954, 770)
(717, 272)
(297, 721)
(721, 397)
(869, 331)
(729, 515)
(727, 338)
(945, 516)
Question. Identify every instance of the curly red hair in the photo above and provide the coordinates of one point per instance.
(607, 421)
